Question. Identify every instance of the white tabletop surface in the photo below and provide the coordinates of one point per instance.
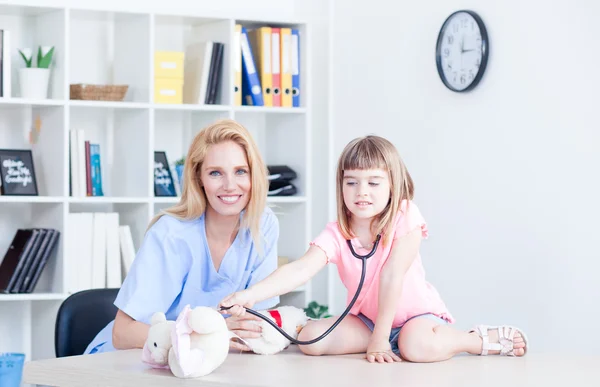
(291, 368)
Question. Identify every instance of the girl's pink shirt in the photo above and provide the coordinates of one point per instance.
(418, 296)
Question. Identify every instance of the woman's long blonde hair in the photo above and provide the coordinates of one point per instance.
(374, 152)
(193, 200)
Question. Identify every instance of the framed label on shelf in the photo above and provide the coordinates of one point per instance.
(17, 172)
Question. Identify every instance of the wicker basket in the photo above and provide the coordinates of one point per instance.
(98, 92)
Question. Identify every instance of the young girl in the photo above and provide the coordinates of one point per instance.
(398, 313)
(219, 238)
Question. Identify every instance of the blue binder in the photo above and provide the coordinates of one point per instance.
(295, 68)
(251, 88)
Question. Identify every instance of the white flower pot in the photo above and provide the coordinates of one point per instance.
(34, 82)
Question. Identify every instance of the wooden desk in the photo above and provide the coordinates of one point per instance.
(291, 368)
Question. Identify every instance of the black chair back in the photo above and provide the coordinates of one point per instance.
(80, 317)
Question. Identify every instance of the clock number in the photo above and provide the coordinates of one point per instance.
(455, 26)
(446, 52)
(450, 39)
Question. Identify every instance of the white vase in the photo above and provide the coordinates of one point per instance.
(34, 82)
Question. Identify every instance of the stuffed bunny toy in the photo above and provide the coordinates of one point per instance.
(193, 346)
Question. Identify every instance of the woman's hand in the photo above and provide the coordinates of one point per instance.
(380, 351)
(238, 301)
(244, 328)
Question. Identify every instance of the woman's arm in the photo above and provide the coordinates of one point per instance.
(128, 333)
(281, 281)
(391, 279)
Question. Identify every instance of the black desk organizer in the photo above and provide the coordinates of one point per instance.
(280, 180)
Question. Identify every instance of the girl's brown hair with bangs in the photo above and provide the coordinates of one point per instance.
(374, 152)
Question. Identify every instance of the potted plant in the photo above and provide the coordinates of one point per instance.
(316, 311)
(179, 170)
(33, 81)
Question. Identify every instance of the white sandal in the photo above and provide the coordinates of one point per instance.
(505, 342)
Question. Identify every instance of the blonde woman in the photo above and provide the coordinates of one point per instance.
(219, 239)
(398, 314)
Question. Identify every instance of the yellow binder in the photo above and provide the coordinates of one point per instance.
(260, 39)
(286, 67)
(237, 65)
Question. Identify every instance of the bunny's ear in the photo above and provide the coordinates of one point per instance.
(157, 318)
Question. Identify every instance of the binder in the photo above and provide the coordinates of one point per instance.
(286, 67)
(28, 260)
(295, 68)
(260, 40)
(253, 94)
(214, 82)
(39, 266)
(237, 65)
(276, 65)
(14, 258)
(33, 262)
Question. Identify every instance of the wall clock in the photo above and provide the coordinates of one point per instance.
(462, 51)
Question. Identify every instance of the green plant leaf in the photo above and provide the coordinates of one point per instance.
(44, 61)
(316, 311)
(27, 61)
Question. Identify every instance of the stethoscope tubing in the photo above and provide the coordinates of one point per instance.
(363, 258)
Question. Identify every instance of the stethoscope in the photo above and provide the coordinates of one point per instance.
(363, 258)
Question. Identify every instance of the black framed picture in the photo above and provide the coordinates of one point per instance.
(17, 172)
(163, 180)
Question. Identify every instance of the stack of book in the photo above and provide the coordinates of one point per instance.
(26, 258)
(203, 72)
(99, 251)
(85, 170)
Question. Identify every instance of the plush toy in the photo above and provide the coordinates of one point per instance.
(157, 346)
(193, 346)
(289, 318)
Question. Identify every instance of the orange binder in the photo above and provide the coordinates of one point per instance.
(260, 40)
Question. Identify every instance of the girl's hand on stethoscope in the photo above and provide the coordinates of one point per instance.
(236, 303)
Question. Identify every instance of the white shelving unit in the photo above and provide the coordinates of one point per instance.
(118, 48)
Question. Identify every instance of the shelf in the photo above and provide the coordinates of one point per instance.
(107, 199)
(109, 104)
(174, 199)
(189, 107)
(286, 199)
(33, 297)
(31, 199)
(31, 102)
(269, 110)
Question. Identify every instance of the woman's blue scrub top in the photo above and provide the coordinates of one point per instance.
(173, 268)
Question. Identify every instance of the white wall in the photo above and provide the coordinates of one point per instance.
(505, 175)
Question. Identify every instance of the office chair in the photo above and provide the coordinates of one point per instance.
(79, 319)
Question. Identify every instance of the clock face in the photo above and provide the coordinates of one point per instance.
(462, 51)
